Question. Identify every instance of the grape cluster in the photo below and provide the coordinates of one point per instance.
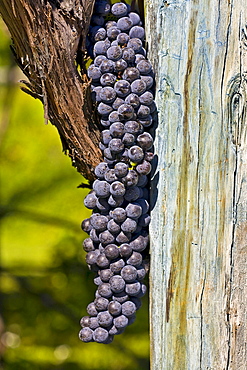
(122, 79)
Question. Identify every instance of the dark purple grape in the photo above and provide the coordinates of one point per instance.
(90, 200)
(117, 189)
(137, 32)
(116, 331)
(85, 321)
(104, 109)
(144, 220)
(119, 9)
(138, 86)
(99, 59)
(140, 243)
(145, 67)
(130, 179)
(142, 291)
(110, 24)
(101, 47)
(93, 323)
(117, 102)
(91, 309)
(105, 274)
(117, 266)
(97, 280)
(102, 261)
(143, 111)
(133, 194)
(135, 259)
(118, 214)
(129, 273)
(114, 53)
(105, 319)
(144, 204)
(120, 65)
(129, 225)
(111, 251)
(141, 273)
(94, 72)
(98, 33)
(113, 32)
(133, 210)
(146, 98)
(121, 169)
(135, 154)
(133, 289)
(107, 79)
(86, 335)
(92, 256)
(107, 94)
(102, 189)
(148, 81)
(117, 129)
(106, 237)
(100, 335)
(110, 175)
(113, 117)
(120, 321)
(102, 7)
(99, 222)
(94, 236)
(123, 38)
(109, 155)
(125, 112)
(100, 170)
(133, 127)
(101, 304)
(128, 309)
(106, 137)
(130, 74)
(96, 93)
(117, 284)
(144, 168)
(135, 18)
(133, 99)
(104, 123)
(139, 57)
(105, 290)
(128, 139)
(135, 44)
(125, 250)
(122, 88)
(120, 297)
(123, 237)
(128, 55)
(116, 145)
(113, 227)
(124, 23)
(115, 308)
(115, 201)
(102, 205)
(86, 225)
(145, 141)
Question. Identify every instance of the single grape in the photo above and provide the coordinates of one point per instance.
(130, 179)
(135, 44)
(96, 93)
(135, 154)
(108, 79)
(145, 141)
(102, 189)
(117, 284)
(105, 290)
(92, 256)
(128, 309)
(86, 335)
(90, 200)
(125, 112)
(123, 237)
(145, 67)
(98, 33)
(107, 66)
(130, 74)
(116, 331)
(110, 176)
(94, 235)
(137, 32)
(139, 243)
(101, 47)
(113, 227)
(99, 59)
(135, 18)
(86, 225)
(142, 291)
(85, 321)
(113, 117)
(133, 289)
(133, 127)
(118, 214)
(129, 225)
(107, 94)
(111, 251)
(143, 112)
(119, 9)
(102, 261)
(122, 38)
(146, 98)
(133, 210)
(113, 32)
(133, 194)
(117, 129)
(101, 303)
(138, 86)
(121, 169)
(105, 319)
(97, 280)
(100, 335)
(91, 309)
(139, 57)
(94, 72)
(120, 65)
(117, 102)
(124, 23)
(144, 220)
(135, 259)
(149, 81)
(125, 250)
(106, 237)
(114, 53)
(117, 266)
(99, 222)
(115, 201)
(109, 155)
(93, 323)
(102, 7)
(115, 308)
(128, 55)
(105, 275)
(88, 245)
(116, 145)
(120, 321)
(144, 168)
(104, 123)
(104, 109)
(129, 273)
(120, 297)
(100, 170)
(110, 24)
(122, 88)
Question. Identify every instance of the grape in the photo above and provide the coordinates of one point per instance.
(99, 59)
(107, 66)
(119, 9)
(125, 250)
(130, 179)
(86, 225)
(144, 168)
(86, 334)
(135, 154)
(136, 32)
(97, 280)
(122, 88)
(111, 251)
(105, 274)
(106, 137)
(117, 102)
(130, 74)
(98, 33)
(144, 220)
(120, 297)
(94, 72)
(117, 129)
(104, 109)
(101, 47)
(113, 227)
(141, 273)
(118, 214)
(135, 44)
(149, 156)
(140, 243)
(85, 321)
(104, 123)
(93, 323)
(102, 7)
(142, 291)
(100, 169)
(133, 289)
(135, 18)
(120, 321)
(107, 79)
(113, 117)
(102, 261)
(90, 200)
(129, 273)
(152, 108)
(105, 290)
(114, 53)
(143, 111)
(115, 202)
(117, 266)
(133, 194)
(121, 169)
(107, 94)
(116, 145)
(142, 182)
(102, 189)
(109, 155)
(123, 237)
(88, 245)
(101, 304)
(145, 141)
(91, 309)
(146, 122)
(117, 189)
(133, 99)
(139, 57)
(128, 309)
(125, 112)
(94, 236)
(146, 98)
(99, 222)
(133, 210)
(138, 86)
(120, 65)
(117, 284)
(110, 24)
(115, 308)
(105, 318)
(144, 67)
(128, 54)
(122, 38)
(135, 259)
(133, 127)
(96, 93)
(129, 225)
(110, 176)
(100, 335)
(124, 23)
(113, 32)
(116, 331)
(106, 238)
(92, 256)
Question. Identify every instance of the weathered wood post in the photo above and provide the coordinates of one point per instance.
(199, 222)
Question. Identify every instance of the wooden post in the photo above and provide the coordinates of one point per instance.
(199, 221)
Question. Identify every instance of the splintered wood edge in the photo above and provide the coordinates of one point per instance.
(48, 44)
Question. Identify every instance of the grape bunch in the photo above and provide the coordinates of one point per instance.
(122, 81)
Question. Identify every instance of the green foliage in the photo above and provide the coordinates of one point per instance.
(45, 283)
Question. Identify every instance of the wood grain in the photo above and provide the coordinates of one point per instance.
(199, 220)
(48, 43)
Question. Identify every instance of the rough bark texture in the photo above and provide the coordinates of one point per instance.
(48, 43)
(199, 222)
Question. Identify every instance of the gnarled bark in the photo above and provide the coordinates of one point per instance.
(48, 43)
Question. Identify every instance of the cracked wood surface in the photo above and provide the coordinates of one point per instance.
(198, 276)
(48, 43)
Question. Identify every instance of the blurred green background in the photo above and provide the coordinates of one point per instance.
(45, 283)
